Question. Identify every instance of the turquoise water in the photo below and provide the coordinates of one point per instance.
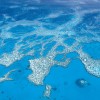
(49, 50)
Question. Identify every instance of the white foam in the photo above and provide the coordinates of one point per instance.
(40, 68)
(91, 65)
(54, 15)
(42, 65)
(8, 59)
(6, 76)
(47, 91)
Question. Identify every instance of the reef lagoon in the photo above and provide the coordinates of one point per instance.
(49, 50)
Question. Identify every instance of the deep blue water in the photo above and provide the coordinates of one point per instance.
(34, 29)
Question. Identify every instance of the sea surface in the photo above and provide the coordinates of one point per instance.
(49, 50)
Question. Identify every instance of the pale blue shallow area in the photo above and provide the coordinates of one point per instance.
(62, 80)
